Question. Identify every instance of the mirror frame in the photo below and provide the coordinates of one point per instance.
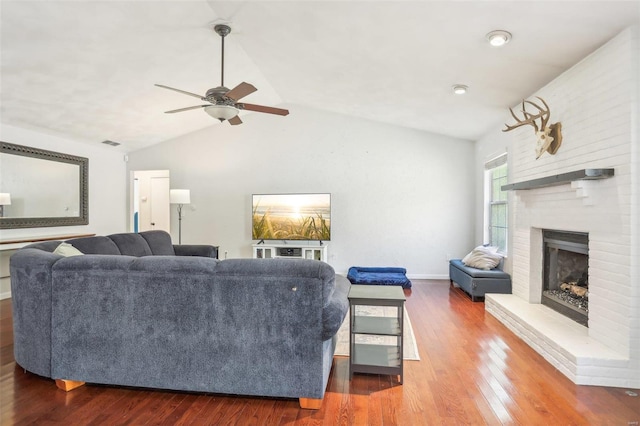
(40, 222)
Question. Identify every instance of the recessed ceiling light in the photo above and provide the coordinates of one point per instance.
(498, 38)
(460, 89)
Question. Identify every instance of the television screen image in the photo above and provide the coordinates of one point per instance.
(291, 217)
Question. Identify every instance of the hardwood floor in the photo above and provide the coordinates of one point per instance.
(472, 371)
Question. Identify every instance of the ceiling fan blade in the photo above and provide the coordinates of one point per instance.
(240, 91)
(181, 91)
(262, 108)
(186, 109)
(234, 121)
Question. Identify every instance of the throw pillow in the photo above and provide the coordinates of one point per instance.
(483, 257)
(483, 248)
(468, 256)
(67, 250)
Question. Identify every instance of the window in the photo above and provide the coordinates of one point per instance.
(496, 203)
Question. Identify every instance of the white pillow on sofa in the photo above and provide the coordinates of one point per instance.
(483, 257)
(67, 250)
(490, 249)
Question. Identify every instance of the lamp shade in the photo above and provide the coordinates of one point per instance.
(5, 199)
(222, 112)
(179, 196)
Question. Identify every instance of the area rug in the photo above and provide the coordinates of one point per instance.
(409, 348)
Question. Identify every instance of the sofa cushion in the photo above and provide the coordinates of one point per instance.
(131, 244)
(95, 245)
(196, 250)
(159, 242)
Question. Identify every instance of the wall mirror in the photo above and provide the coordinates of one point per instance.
(44, 188)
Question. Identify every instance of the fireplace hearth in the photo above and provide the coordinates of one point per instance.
(566, 274)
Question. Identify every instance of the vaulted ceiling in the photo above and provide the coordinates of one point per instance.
(86, 69)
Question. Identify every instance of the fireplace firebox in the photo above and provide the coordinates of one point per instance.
(566, 274)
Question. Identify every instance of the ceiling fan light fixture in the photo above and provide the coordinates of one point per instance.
(224, 102)
(460, 89)
(222, 112)
(498, 38)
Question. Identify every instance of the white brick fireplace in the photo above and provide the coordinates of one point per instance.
(597, 103)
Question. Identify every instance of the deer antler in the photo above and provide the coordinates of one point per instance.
(544, 113)
(549, 137)
(530, 118)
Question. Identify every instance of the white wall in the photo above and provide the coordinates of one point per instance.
(400, 197)
(107, 187)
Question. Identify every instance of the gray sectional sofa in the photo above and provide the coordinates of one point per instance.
(135, 310)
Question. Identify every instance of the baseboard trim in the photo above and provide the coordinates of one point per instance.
(428, 276)
(5, 295)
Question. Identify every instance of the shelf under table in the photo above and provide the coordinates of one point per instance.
(386, 326)
(376, 359)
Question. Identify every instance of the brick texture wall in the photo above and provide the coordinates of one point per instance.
(597, 103)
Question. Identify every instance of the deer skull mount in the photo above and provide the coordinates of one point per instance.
(549, 135)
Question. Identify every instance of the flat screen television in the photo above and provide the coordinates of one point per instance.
(305, 217)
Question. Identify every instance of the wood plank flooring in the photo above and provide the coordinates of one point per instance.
(472, 371)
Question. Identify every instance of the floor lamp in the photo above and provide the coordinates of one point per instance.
(179, 197)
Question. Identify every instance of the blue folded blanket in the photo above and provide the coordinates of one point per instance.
(378, 276)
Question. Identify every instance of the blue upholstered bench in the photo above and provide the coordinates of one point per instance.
(477, 282)
(378, 276)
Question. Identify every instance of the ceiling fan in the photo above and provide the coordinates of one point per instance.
(223, 103)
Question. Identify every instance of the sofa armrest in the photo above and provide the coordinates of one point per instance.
(196, 250)
(336, 308)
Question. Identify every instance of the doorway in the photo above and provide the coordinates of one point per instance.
(150, 207)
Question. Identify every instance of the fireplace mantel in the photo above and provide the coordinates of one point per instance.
(584, 174)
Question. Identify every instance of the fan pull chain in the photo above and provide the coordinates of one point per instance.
(222, 71)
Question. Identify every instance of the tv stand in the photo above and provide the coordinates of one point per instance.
(290, 250)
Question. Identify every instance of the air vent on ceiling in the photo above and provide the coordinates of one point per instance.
(111, 143)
